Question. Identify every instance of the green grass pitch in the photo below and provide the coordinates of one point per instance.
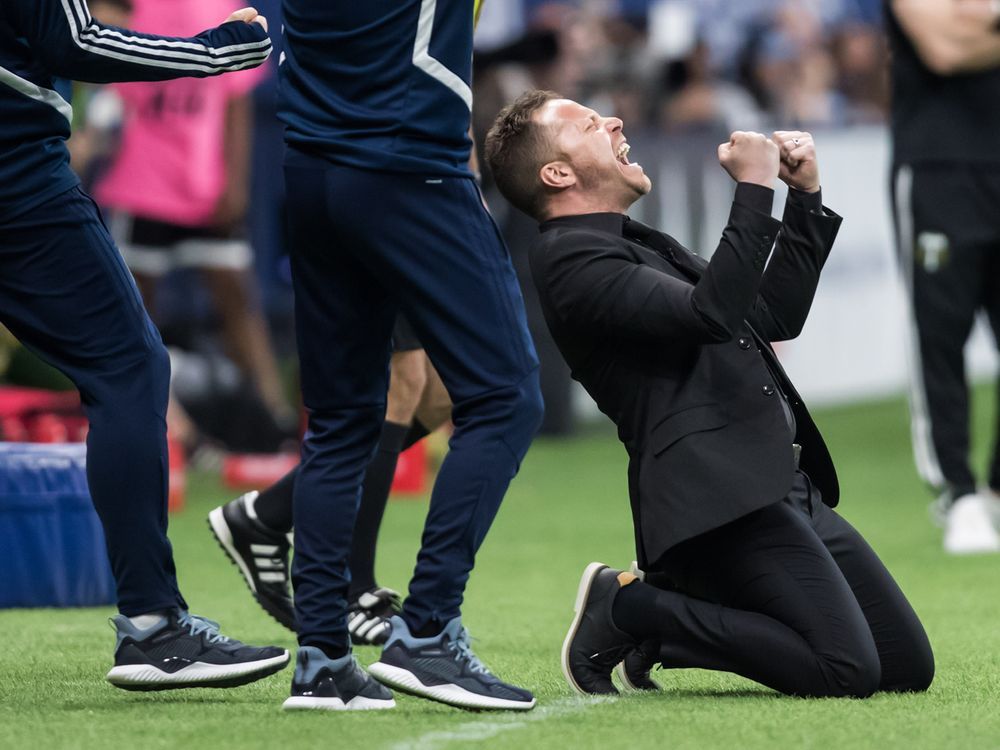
(567, 507)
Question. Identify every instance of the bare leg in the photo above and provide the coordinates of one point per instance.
(246, 335)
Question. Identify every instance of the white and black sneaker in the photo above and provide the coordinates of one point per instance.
(368, 616)
(444, 669)
(186, 651)
(334, 685)
(259, 553)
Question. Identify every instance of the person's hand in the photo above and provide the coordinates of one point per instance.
(248, 15)
(799, 168)
(979, 11)
(750, 157)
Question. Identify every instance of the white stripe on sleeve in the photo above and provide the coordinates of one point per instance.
(162, 53)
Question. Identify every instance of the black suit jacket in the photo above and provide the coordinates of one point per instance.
(676, 351)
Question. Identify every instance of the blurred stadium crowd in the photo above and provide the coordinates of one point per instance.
(682, 64)
(667, 67)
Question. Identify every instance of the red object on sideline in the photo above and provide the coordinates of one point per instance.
(255, 471)
(15, 401)
(48, 428)
(177, 475)
(30, 415)
(411, 471)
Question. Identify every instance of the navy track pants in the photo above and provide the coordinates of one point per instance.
(366, 246)
(66, 294)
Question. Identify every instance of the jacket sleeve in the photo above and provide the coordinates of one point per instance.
(71, 44)
(786, 292)
(593, 283)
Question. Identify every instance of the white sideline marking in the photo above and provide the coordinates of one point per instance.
(478, 731)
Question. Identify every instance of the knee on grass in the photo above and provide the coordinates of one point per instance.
(859, 676)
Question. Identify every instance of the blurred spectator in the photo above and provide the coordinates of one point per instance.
(796, 70)
(178, 191)
(703, 101)
(681, 64)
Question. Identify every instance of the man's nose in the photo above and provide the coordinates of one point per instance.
(613, 124)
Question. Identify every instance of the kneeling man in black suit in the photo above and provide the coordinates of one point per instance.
(732, 488)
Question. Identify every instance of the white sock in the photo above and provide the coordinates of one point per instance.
(148, 620)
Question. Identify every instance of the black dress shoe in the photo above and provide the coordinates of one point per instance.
(594, 645)
(633, 671)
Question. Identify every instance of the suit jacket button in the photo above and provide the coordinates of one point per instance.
(743, 342)
(768, 390)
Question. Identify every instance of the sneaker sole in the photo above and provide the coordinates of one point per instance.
(220, 530)
(582, 592)
(147, 677)
(453, 695)
(358, 703)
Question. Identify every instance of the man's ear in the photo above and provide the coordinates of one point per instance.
(557, 174)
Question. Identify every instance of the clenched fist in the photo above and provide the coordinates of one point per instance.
(799, 168)
(750, 157)
(248, 15)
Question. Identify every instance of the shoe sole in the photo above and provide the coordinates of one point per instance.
(220, 530)
(405, 681)
(146, 677)
(622, 674)
(582, 593)
(358, 703)
(627, 683)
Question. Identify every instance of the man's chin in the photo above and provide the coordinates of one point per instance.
(642, 186)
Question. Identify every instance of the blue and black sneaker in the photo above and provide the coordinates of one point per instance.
(186, 651)
(444, 669)
(334, 684)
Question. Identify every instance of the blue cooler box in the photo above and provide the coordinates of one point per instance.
(52, 551)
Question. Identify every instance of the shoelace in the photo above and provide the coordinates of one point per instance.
(196, 625)
(462, 646)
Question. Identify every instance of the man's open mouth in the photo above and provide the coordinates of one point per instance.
(622, 153)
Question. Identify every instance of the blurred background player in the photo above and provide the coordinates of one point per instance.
(383, 217)
(946, 183)
(66, 294)
(178, 190)
(254, 529)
